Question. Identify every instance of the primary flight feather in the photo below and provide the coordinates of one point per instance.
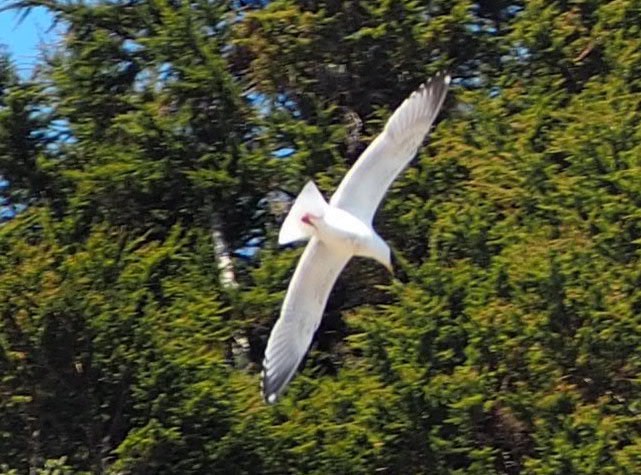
(341, 229)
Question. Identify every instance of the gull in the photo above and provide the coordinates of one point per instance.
(341, 229)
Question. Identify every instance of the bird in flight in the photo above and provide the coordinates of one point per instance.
(341, 229)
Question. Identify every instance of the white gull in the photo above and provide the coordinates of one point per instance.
(341, 229)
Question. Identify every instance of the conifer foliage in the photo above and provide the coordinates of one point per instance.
(145, 167)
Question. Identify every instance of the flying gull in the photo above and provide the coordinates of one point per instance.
(341, 229)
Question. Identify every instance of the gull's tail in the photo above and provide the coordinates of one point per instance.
(309, 201)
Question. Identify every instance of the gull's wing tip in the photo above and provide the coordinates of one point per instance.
(439, 82)
(443, 77)
(273, 382)
(270, 397)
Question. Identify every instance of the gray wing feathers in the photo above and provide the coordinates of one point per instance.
(364, 186)
(300, 316)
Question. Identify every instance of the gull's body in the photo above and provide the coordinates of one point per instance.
(341, 229)
(343, 233)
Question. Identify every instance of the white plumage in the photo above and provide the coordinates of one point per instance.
(342, 229)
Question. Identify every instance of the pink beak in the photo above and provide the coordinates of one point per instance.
(307, 219)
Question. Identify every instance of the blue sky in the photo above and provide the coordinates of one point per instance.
(22, 38)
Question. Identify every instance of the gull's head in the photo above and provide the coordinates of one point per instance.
(310, 219)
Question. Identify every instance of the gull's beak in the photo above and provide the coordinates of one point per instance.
(390, 268)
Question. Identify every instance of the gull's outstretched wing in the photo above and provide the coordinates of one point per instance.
(367, 181)
(300, 316)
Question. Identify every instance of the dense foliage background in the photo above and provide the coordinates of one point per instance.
(145, 167)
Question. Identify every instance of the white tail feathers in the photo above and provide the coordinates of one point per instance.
(309, 201)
